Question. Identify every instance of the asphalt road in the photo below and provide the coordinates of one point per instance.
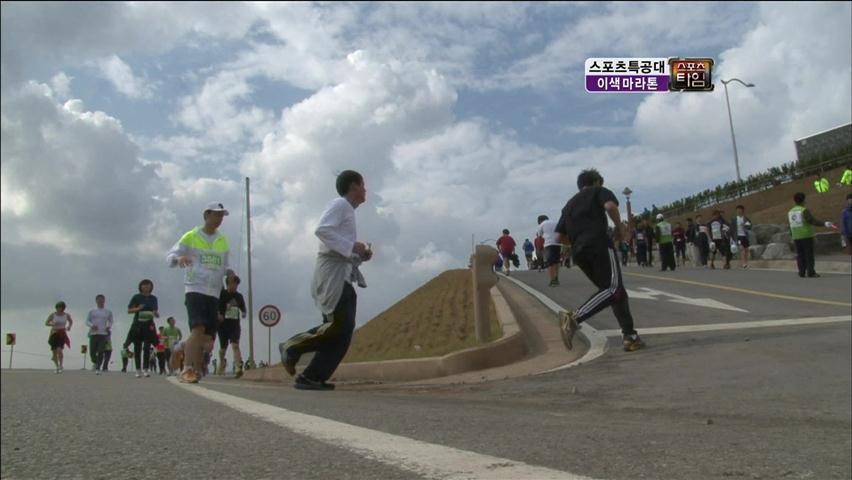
(749, 403)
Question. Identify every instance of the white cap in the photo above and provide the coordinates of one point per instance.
(215, 207)
(659, 216)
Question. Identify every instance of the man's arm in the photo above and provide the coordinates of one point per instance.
(612, 210)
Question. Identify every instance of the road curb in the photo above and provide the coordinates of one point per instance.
(823, 266)
(597, 342)
(510, 348)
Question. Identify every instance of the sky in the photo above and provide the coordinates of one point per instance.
(121, 120)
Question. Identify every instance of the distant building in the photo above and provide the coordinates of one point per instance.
(824, 143)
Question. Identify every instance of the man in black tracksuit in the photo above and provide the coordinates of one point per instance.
(584, 223)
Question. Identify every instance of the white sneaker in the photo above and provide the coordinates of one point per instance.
(97, 372)
(61, 369)
(138, 374)
(56, 371)
(147, 374)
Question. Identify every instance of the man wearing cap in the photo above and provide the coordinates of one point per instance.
(203, 252)
(664, 238)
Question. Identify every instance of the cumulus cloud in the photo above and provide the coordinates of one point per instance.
(121, 76)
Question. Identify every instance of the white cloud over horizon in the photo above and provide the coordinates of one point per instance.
(405, 93)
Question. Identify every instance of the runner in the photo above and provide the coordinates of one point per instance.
(719, 235)
(172, 335)
(99, 322)
(552, 248)
(528, 252)
(60, 324)
(161, 351)
(340, 255)
(231, 305)
(107, 352)
(203, 251)
(741, 227)
(144, 308)
(584, 223)
(125, 356)
(506, 247)
(176, 360)
(702, 241)
(539, 251)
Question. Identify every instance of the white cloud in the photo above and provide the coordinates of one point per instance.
(61, 85)
(122, 78)
(432, 261)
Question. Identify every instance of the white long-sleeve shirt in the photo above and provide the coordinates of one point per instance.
(336, 229)
(99, 321)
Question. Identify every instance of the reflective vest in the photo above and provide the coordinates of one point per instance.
(799, 229)
(821, 185)
(665, 232)
(846, 179)
(208, 265)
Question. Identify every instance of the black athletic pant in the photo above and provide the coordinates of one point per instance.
(703, 244)
(105, 362)
(600, 264)
(124, 361)
(805, 256)
(680, 251)
(667, 258)
(96, 349)
(330, 340)
(641, 254)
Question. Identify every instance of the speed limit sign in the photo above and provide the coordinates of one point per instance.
(269, 315)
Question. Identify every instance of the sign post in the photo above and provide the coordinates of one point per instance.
(269, 316)
(83, 350)
(10, 340)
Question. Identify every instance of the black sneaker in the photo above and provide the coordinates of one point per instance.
(632, 343)
(816, 275)
(304, 383)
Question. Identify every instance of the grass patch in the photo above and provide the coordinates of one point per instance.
(434, 320)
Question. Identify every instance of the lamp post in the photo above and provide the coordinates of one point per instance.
(731, 121)
(629, 237)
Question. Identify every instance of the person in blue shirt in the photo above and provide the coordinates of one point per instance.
(529, 248)
(846, 224)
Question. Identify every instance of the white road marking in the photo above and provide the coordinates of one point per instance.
(597, 342)
(421, 458)
(710, 327)
(651, 294)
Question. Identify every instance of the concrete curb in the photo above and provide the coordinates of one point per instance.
(511, 347)
(821, 266)
(597, 342)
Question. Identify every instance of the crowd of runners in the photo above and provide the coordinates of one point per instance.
(588, 233)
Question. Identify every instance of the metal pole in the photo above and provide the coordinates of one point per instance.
(733, 139)
(10, 356)
(250, 300)
(269, 348)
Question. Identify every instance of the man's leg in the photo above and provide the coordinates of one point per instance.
(810, 261)
(335, 340)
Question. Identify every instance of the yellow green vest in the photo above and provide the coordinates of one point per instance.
(799, 229)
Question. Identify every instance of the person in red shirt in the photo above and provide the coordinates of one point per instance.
(506, 247)
(679, 237)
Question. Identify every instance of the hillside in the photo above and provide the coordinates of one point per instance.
(771, 206)
(437, 317)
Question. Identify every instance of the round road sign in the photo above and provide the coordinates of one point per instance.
(269, 315)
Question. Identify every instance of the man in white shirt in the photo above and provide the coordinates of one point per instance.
(552, 247)
(99, 322)
(336, 269)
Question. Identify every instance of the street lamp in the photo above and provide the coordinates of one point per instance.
(731, 121)
(629, 237)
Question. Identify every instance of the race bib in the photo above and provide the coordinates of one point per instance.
(796, 218)
(665, 230)
(211, 261)
(717, 229)
(146, 316)
(232, 313)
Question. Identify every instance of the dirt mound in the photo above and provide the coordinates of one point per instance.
(434, 320)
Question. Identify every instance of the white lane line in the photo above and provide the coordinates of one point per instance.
(710, 327)
(597, 342)
(421, 458)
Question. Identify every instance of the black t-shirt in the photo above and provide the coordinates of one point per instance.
(230, 303)
(149, 303)
(583, 218)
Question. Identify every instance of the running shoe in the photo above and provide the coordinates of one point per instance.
(138, 374)
(632, 343)
(239, 373)
(816, 275)
(147, 374)
(568, 327)
(304, 383)
(97, 372)
(188, 376)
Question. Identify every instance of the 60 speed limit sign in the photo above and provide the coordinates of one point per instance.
(269, 315)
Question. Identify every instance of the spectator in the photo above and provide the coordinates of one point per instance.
(741, 227)
(802, 230)
(679, 237)
(846, 223)
(719, 234)
(691, 233)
